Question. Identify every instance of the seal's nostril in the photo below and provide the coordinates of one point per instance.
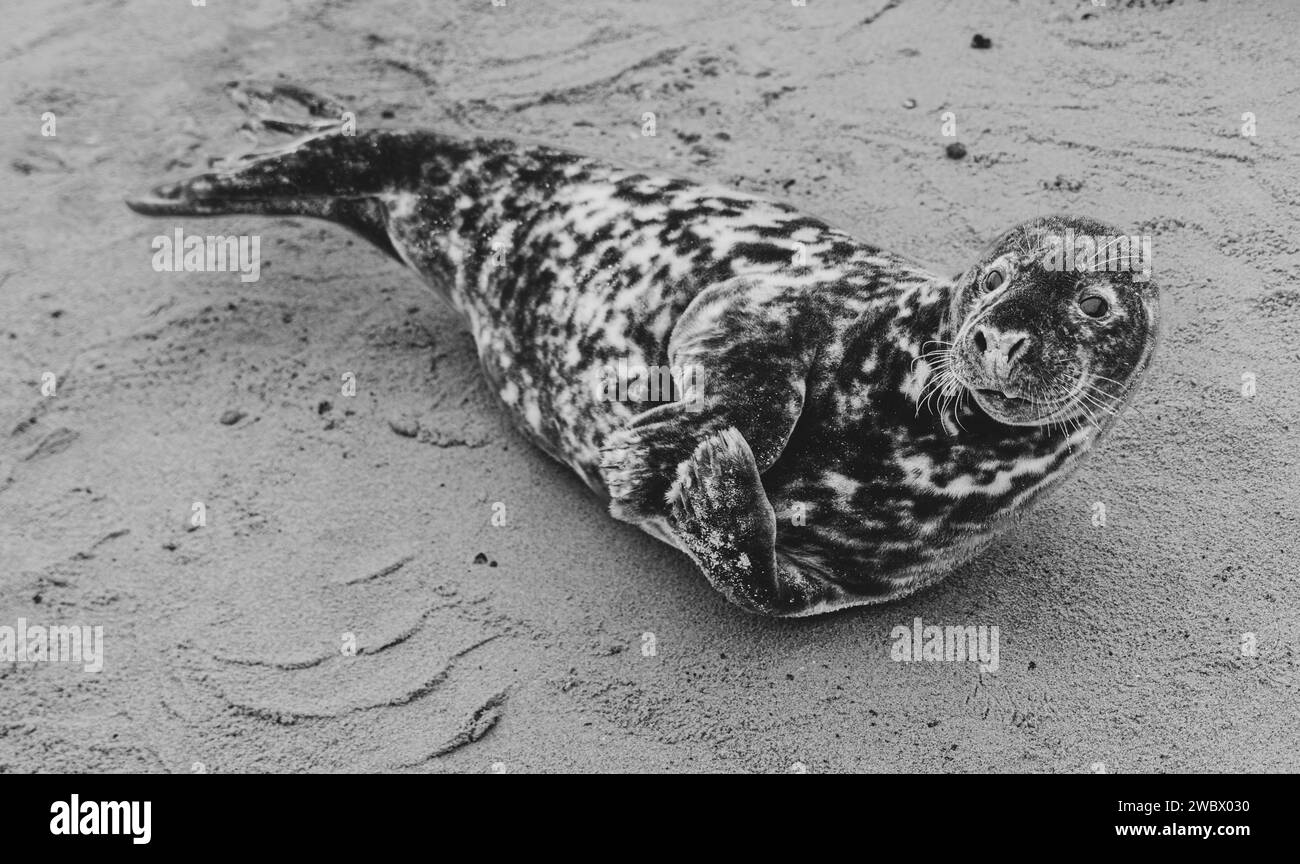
(980, 342)
(1015, 348)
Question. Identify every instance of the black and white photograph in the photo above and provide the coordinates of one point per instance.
(899, 387)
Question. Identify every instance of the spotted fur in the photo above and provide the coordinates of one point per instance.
(813, 468)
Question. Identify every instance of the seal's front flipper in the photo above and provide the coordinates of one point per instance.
(719, 515)
(749, 348)
(688, 471)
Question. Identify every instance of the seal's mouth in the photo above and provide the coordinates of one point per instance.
(1001, 397)
(1048, 405)
(1001, 406)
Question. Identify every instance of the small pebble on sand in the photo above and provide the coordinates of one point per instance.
(404, 425)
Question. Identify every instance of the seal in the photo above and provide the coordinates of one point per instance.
(816, 422)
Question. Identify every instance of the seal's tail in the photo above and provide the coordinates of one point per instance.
(327, 171)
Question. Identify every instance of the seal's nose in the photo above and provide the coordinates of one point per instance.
(1000, 348)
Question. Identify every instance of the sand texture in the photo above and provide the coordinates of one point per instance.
(1121, 645)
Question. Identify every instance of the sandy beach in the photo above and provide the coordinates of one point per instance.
(350, 604)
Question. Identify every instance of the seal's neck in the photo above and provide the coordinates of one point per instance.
(944, 329)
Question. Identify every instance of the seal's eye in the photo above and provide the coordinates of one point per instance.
(1093, 307)
(994, 278)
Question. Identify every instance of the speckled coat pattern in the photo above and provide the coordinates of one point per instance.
(809, 469)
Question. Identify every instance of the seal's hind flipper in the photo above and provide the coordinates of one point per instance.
(286, 108)
(274, 111)
(317, 171)
(327, 171)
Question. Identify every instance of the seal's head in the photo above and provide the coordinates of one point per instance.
(1056, 321)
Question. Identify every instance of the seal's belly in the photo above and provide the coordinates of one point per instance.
(912, 505)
